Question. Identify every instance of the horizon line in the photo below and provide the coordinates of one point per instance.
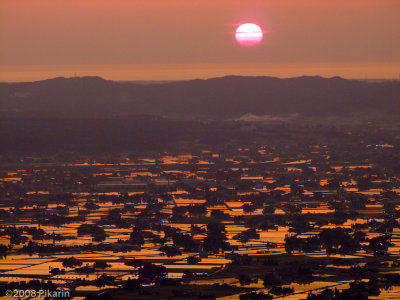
(179, 72)
(160, 81)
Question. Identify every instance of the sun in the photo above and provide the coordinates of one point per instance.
(248, 34)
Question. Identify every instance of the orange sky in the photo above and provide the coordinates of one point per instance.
(160, 39)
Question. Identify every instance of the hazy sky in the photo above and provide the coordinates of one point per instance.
(173, 39)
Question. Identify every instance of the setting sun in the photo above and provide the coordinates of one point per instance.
(248, 34)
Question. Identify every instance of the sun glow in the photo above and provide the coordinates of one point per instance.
(248, 34)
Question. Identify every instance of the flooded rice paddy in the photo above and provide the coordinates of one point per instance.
(179, 196)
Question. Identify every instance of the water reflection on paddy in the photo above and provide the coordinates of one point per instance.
(206, 281)
(24, 259)
(301, 290)
(392, 293)
(38, 269)
(174, 167)
(90, 288)
(70, 276)
(194, 267)
(7, 279)
(275, 236)
(5, 267)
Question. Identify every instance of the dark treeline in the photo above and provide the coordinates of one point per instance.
(51, 135)
(24, 135)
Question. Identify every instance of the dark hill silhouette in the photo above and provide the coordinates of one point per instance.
(225, 97)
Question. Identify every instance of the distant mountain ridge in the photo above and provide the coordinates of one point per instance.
(223, 97)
